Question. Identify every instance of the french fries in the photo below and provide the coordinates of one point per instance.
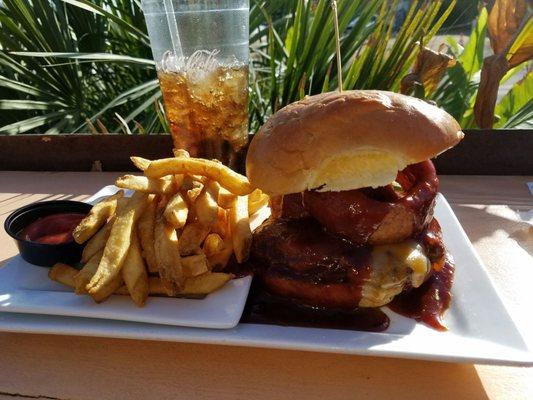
(84, 276)
(221, 226)
(146, 185)
(240, 228)
(63, 274)
(180, 153)
(107, 289)
(145, 229)
(96, 218)
(196, 287)
(176, 211)
(139, 162)
(167, 255)
(173, 237)
(206, 208)
(255, 206)
(80, 279)
(134, 273)
(256, 201)
(118, 243)
(213, 244)
(192, 194)
(226, 177)
(192, 237)
(97, 242)
(194, 265)
(218, 251)
(224, 197)
(218, 261)
(205, 283)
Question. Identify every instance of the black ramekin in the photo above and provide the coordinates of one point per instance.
(45, 255)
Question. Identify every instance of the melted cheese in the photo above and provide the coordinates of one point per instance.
(411, 255)
(356, 169)
(393, 267)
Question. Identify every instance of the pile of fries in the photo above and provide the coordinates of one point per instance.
(173, 237)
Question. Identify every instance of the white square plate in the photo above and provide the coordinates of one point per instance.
(480, 328)
(26, 288)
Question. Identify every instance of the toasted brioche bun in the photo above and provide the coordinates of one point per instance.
(345, 141)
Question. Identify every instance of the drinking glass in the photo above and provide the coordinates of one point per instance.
(201, 52)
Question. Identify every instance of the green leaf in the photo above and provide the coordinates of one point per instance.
(129, 95)
(147, 103)
(160, 112)
(123, 124)
(19, 86)
(90, 59)
(98, 57)
(522, 119)
(31, 123)
(522, 47)
(455, 48)
(89, 6)
(516, 99)
(60, 126)
(7, 104)
(472, 57)
(74, 58)
(512, 72)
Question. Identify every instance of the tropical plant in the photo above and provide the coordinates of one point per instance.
(294, 57)
(459, 89)
(85, 65)
(68, 64)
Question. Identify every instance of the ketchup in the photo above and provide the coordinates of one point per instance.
(52, 229)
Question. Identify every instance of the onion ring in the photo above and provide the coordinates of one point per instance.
(382, 215)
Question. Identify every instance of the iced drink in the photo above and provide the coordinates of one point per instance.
(201, 54)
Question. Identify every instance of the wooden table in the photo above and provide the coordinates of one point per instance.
(62, 367)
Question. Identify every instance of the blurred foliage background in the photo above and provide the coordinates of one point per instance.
(70, 66)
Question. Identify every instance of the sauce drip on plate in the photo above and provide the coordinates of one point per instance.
(424, 304)
(265, 308)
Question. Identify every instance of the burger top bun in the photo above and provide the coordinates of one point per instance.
(345, 141)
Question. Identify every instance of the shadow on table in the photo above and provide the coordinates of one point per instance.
(96, 369)
(480, 222)
(55, 183)
(11, 203)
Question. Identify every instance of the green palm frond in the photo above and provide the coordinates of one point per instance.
(86, 65)
(516, 107)
(68, 60)
(296, 56)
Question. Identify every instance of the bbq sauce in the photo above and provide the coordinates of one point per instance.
(358, 214)
(298, 259)
(263, 307)
(425, 304)
(422, 200)
(428, 302)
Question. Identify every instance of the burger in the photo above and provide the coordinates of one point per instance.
(352, 193)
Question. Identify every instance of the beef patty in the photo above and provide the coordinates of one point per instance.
(296, 258)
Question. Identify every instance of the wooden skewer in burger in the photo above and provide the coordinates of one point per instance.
(353, 191)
